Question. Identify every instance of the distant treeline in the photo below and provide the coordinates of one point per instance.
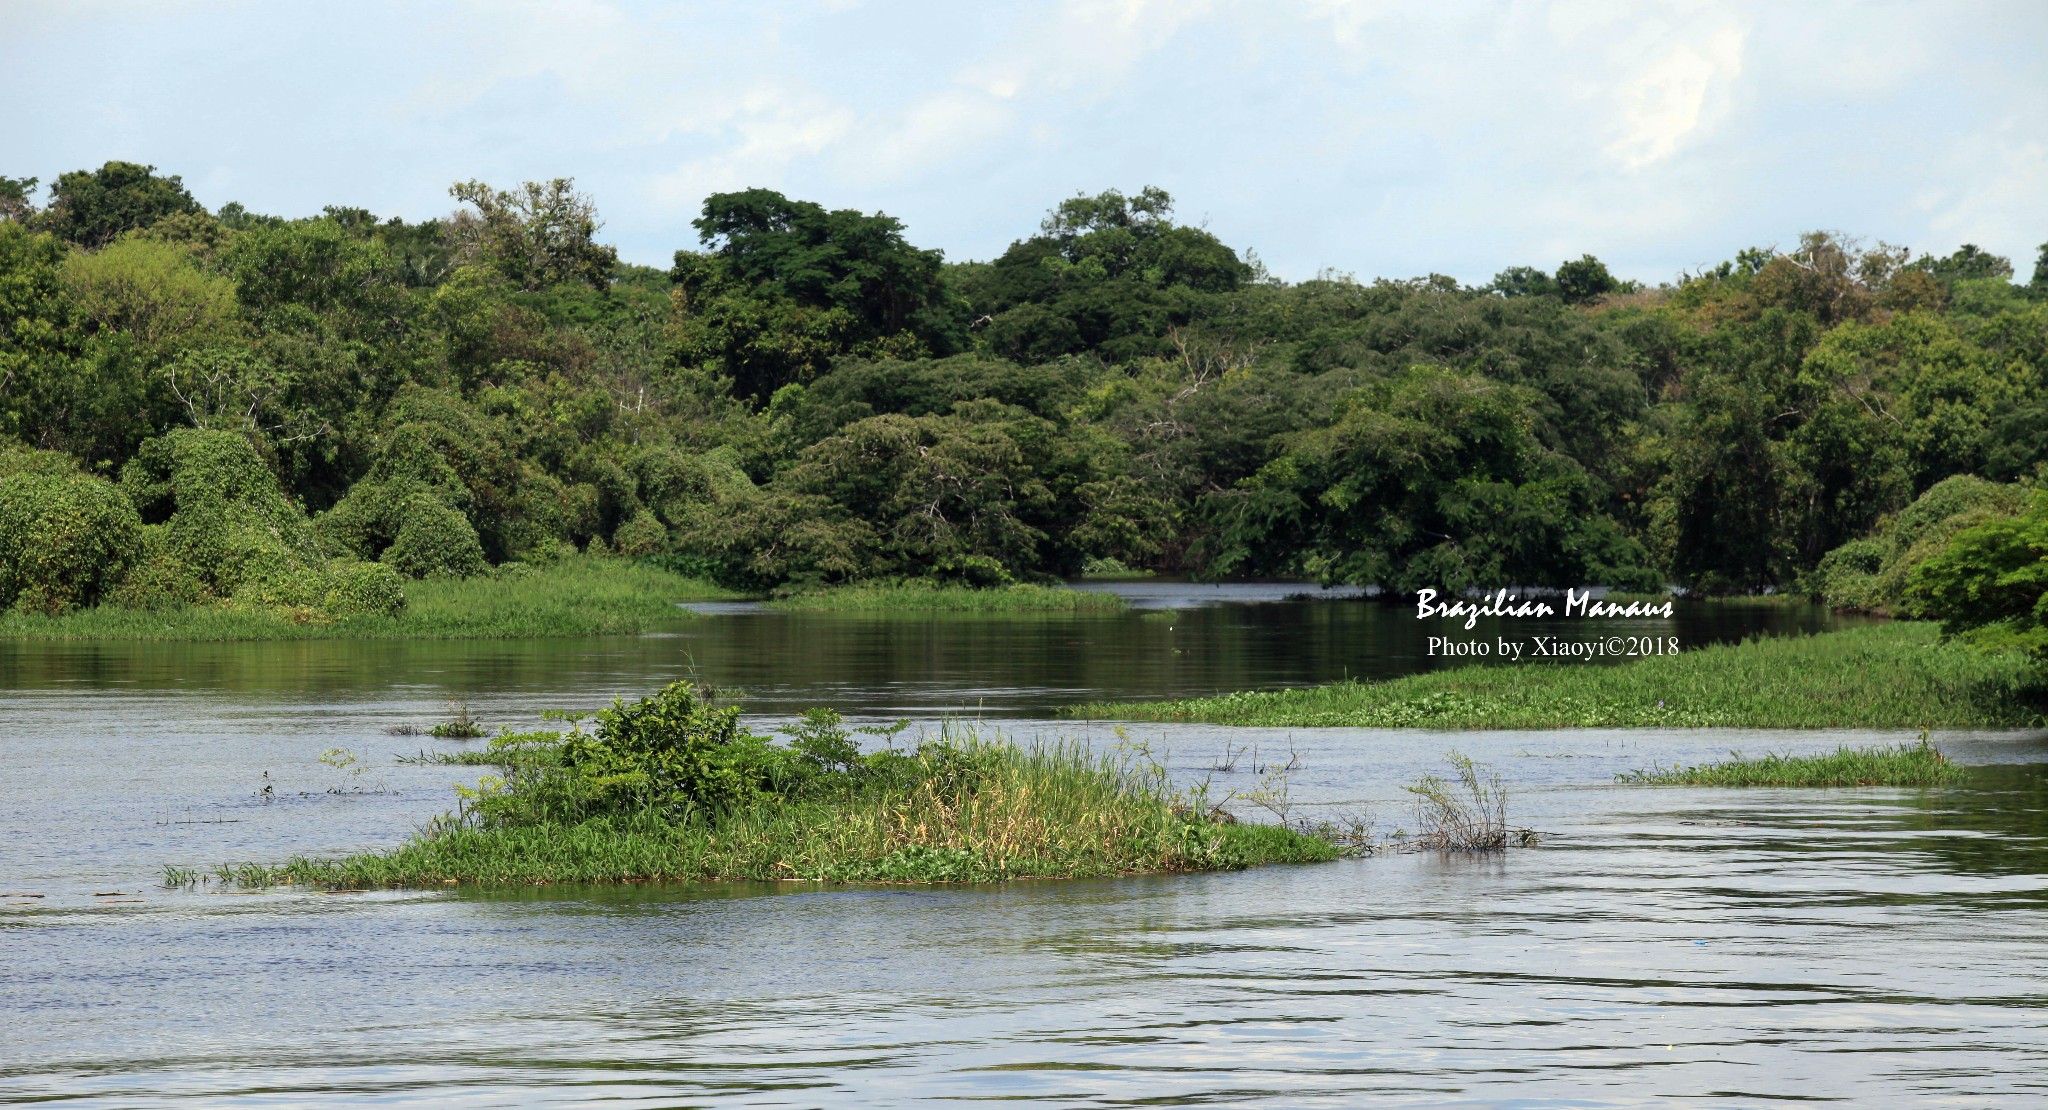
(208, 405)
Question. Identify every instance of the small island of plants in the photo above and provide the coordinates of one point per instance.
(1918, 764)
(674, 787)
(1896, 675)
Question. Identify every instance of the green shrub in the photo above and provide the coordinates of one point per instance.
(1945, 499)
(225, 518)
(19, 459)
(365, 590)
(435, 540)
(158, 580)
(1992, 581)
(1847, 576)
(1872, 574)
(641, 535)
(65, 539)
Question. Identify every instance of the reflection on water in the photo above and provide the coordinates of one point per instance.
(1009, 665)
(1733, 947)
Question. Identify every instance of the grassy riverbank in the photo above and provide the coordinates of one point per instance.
(924, 597)
(576, 597)
(1901, 765)
(672, 788)
(1896, 675)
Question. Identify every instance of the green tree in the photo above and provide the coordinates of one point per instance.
(788, 286)
(18, 198)
(536, 235)
(1992, 582)
(1585, 280)
(91, 207)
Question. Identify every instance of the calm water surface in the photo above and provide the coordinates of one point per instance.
(1877, 947)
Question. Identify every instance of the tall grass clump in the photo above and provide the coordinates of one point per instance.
(674, 787)
(1465, 813)
(1893, 765)
(928, 597)
(1894, 675)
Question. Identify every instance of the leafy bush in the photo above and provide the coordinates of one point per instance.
(158, 579)
(1872, 574)
(435, 540)
(1847, 576)
(225, 518)
(642, 535)
(65, 539)
(365, 589)
(1992, 581)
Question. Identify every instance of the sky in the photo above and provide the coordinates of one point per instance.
(1367, 137)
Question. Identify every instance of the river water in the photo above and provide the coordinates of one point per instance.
(1728, 947)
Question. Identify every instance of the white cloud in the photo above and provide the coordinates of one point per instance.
(1669, 100)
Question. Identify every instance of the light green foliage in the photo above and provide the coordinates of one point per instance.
(364, 590)
(1890, 676)
(65, 538)
(432, 540)
(575, 597)
(1991, 581)
(673, 787)
(152, 291)
(642, 535)
(1901, 765)
(1872, 574)
(225, 518)
(932, 597)
(537, 235)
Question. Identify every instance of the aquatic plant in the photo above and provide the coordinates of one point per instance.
(1918, 764)
(1465, 813)
(674, 787)
(459, 726)
(1893, 675)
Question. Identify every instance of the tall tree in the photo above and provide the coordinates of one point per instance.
(90, 207)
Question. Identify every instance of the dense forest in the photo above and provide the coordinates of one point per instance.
(206, 405)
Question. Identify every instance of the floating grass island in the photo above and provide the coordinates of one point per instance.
(674, 788)
(582, 596)
(928, 597)
(1899, 765)
(1896, 675)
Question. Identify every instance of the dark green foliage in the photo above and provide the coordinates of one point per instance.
(65, 538)
(789, 286)
(1432, 480)
(812, 398)
(1584, 280)
(90, 207)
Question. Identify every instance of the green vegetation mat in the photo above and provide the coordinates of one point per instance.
(1901, 765)
(1897, 675)
(673, 788)
(576, 597)
(920, 597)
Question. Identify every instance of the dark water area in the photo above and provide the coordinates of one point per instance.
(1714, 947)
(1178, 640)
